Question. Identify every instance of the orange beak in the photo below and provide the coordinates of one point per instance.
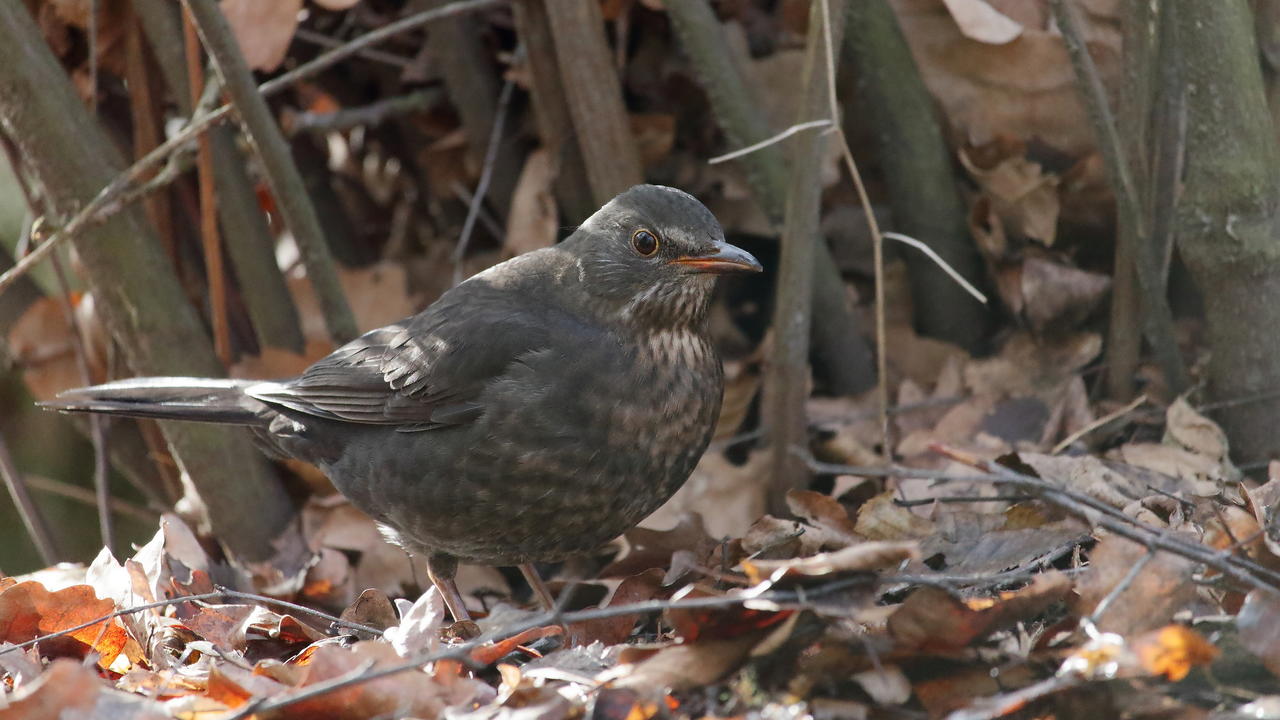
(725, 259)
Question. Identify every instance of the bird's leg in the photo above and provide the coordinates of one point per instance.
(539, 588)
(441, 569)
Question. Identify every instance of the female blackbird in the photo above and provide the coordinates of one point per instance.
(539, 409)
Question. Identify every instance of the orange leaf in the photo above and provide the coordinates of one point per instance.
(1172, 651)
(29, 611)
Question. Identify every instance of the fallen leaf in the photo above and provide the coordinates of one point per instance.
(855, 558)
(824, 512)
(931, 619)
(1023, 196)
(1163, 587)
(1024, 88)
(28, 611)
(683, 667)
(979, 21)
(1259, 624)
(1172, 651)
(1195, 432)
(403, 694)
(65, 689)
(880, 518)
(419, 628)
(263, 29)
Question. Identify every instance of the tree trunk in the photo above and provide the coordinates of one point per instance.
(1226, 219)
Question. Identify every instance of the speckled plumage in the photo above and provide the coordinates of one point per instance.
(538, 409)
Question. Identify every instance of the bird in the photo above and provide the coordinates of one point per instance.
(538, 409)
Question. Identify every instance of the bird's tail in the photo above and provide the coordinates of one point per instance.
(167, 398)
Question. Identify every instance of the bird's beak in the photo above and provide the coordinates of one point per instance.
(725, 258)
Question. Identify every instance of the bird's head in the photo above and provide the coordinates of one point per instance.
(653, 253)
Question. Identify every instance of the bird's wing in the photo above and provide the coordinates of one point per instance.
(427, 371)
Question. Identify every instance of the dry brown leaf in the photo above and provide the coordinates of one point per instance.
(373, 608)
(403, 694)
(1054, 294)
(682, 667)
(931, 619)
(855, 558)
(880, 518)
(979, 21)
(1163, 587)
(65, 689)
(611, 631)
(534, 218)
(42, 344)
(1025, 88)
(729, 497)
(1259, 625)
(1022, 195)
(28, 611)
(1195, 432)
(233, 686)
(263, 29)
(823, 512)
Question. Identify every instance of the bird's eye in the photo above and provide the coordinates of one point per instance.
(644, 242)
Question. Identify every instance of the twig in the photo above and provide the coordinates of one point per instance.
(281, 172)
(1135, 228)
(462, 652)
(486, 175)
(937, 260)
(251, 248)
(97, 423)
(1119, 589)
(370, 115)
(877, 242)
(786, 378)
(37, 527)
(741, 152)
(1091, 509)
(841, 356)
(1109, 518)
(1104, 420)
(918, 170)
(90, 498)
(119, 193)
(210, 239)
(386, 58)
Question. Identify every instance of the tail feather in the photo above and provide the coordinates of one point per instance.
(167, 398)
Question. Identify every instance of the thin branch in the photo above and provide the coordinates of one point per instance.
(769, 141)
(877, 243)
(386, 58)
(119, 193)
(97, 423)
(486, 175)
(375, 113)
(937, 260)
(78, 494)
(281, 172)
(37, 527)
(1125, 582)
(1135, 228)
(1105, 419)
(210, 239)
